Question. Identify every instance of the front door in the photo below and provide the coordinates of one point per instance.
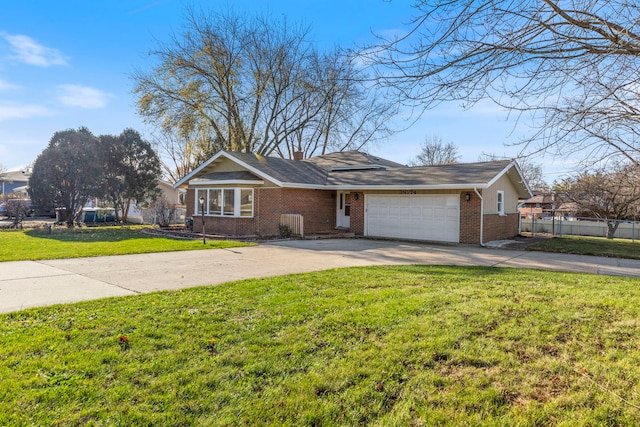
(343, 209)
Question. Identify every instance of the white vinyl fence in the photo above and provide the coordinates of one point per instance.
(580, 227)
(295, 222)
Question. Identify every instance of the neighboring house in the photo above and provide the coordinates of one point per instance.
(571, 210)
(147, 215)
(138, 214)
(537, 206)
(14, 183)
(545, 205)
(247, 194)
(174, 197)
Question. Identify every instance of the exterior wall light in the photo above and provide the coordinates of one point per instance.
(467, 197)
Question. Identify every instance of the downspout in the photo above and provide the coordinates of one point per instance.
(481, 216)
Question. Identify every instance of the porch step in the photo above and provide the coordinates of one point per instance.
(333, 234)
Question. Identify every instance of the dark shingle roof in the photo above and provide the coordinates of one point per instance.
(333, 171)
(350, 158)
(283, 170)
(460, 173)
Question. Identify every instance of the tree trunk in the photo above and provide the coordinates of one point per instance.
(612, 226)
(125, 210)
(69, 218)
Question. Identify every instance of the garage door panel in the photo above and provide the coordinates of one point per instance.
(421, 217)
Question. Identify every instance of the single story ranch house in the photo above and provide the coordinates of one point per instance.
(248, 194)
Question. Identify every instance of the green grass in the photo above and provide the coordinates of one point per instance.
(385, 346)
(34, 244)
(598, 246)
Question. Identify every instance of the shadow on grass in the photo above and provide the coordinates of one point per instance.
(89, 234)
(596, 246)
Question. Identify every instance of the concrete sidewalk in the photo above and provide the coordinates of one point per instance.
(25, 284)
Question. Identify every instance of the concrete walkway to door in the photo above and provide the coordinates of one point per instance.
(26, 284)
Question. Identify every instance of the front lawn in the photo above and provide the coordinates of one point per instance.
(387, 346)
(35, 244)
(582, 245)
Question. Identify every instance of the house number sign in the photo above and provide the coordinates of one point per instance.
(408, 192)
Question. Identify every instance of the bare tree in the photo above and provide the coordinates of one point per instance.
(181, 154)
(164, 212)
(17, 210)
(570, 66)
(612, 195)
(435, 152)
(350, 114)
(256, 85)
(532, 172)
(534, 175)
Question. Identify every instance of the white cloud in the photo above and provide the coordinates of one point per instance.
(82, 96)
(5, 85)
(27, 50)
(148, 6)
(10, 111)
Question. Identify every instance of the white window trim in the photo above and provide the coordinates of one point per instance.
(237, 191)
(500, 202)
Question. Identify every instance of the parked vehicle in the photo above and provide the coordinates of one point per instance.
(5, 207)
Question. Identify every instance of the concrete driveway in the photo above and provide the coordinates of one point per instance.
(25, 284)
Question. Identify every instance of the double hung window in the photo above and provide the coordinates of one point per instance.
(500, 203)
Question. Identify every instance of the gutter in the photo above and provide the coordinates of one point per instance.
(481, 216)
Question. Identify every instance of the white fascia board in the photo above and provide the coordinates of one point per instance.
(194, 172)
(513, 164)
(526, 184)
(187, 178)
(304, 186)
(410, 187)
(223, 182)
(501, 173)
(465, 186)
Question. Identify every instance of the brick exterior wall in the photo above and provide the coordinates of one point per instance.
(317, 207)
(319, 210)
(189, 200)
(267, 211)
(500, 227)
(470, 218)
(357, 214)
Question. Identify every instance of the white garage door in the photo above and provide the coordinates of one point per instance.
(416, 217)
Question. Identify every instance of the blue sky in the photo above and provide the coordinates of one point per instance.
(68, 64)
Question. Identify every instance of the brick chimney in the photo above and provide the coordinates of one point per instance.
(298, 155)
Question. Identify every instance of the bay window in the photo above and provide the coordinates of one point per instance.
(215, 199)
(229, 205)
(232, 202)
(246, 202)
